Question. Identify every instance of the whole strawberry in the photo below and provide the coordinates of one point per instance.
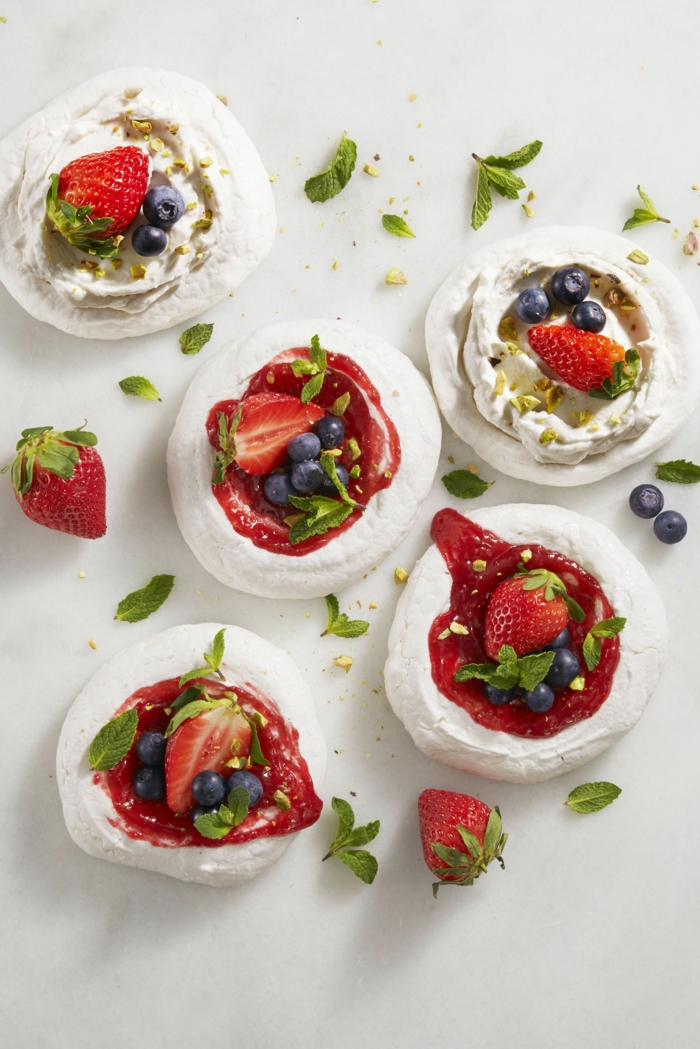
(460, 836)
(59, 480)
(95, 197)
(527, 611)
(582, 359)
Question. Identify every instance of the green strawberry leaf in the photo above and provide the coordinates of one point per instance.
(340, 624)
(592, 797)
(471, 843)
(336, 176)
(193, 339)
(140, 604)
(114, 741)
(397, 226)
(465, 485)
(76, 225)
(138, 386)
(678, 470)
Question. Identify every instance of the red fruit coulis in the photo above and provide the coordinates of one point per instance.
(241, 495)
(153, 821)
(461, 542)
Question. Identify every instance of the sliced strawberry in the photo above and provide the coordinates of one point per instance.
(525, 612)
(203, 742)
(267, 424)
(581, 358)
(440, 814)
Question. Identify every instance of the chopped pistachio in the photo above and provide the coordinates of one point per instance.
(182, 249)
(138, 272)
(525, 404)
(207, 189)
(396, 276)
(282, 800)
(174, 128)
(691, 244)
(222, 98)
(412, 98)
(578, 684)
(479, 566)
(116, 264)
(99, 273)
(513, 348)
(179, 163)
(553, 398)
(528, 211)
(191, 205)
(157, 145)
(129, 92)
(204, 222)
(400, 576)
(507, 330)
(92, 643)
(542, 384)
(206, 162)
(144, 126)
(585, 417)
(444, 634)
(168, 170)
(272, 178)
(224, 171)
(526, 555)
(354, 448)
(355, 472)
(411, 157)
(370, 170)
(531, 195)
(473, 468)
(500, 383)
(547, 436)
(615, 420)
(373, 604)
(458, 628)
(344, 662)
(335, 265)
(639, 257)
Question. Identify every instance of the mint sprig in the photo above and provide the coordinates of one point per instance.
(139, 386)
(397, 226)
(227, 445)
(231, 814)
(641, 216)
(76, 225)
(336, 176)
(348, 837)
(140, 604)
(498, 172)
(114, 741)
(465, 866)
(465, 485)
(592, 646)
(624, 377)
(339, 623)
(315, 366)
(193, 339)
(592, 797)
(680, 471)
(322, 513)
(213, 661)
(527, 671)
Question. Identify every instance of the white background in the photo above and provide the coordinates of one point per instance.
(589, 939)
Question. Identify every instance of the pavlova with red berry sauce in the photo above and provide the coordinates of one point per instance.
(196, 753)
(528, 639)
(130, 204)
(301, 457)
(564, 354)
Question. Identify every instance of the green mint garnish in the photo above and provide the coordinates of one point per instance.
(230, 815)
(227, 445)
(114, 741)
(339, 623)
(138, 386)
(348, 837)
(256, 754)
(679, 470)
(141, 604)
(639, 257)
(76, 225)
(321, 512)
(465, 866)
(315, 366)
(498, 172)
(624, 377)
(213, 661)
(192, 340)
(397, 226)
(527, 671)
(592, 643)
(464, 484)
(336, 176)
(641, 216)
(591, 797)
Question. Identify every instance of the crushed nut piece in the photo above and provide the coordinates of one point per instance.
(373, 604)
(479, 566)
(138, 272)
(370, 170)
(344, 662)
(412, 98)
(206, 162)
(396, 276)
(144, 126)
(157, 145)
(500, 383)
(444, 634)
(691, 244)
(458, 628)
(547, 436)
(400, 576)
(553, 398)
(92, 643)
(182, 249)
(526, 555)
(222, 98)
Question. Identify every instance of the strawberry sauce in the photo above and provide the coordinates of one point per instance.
(241, 495)
(461, 542)
(153, 821)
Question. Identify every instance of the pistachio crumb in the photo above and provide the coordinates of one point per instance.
(500, 383)
(81, 575)
(479, 566)
(282, 800)
(116, 264)
(400, 576)
(451, 459)
(412, 98)
(528, 211)
(373, 604)
(547, 436)
(335, 265)
(526, 555)
(370, 170)
(182, 249)
(222, 98)
(344, 662)
(396, 276)
(578, 684)
(157, 145)
(138, 272)
(272, 178)
(458, 628)
(92, 643)
(444, 634)
(531, 195)
(99, 273)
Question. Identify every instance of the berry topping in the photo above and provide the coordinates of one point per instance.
(308, 476)
(150, 748)
(581, 358)
(149, 784)
(149, 240)
(460, 836)
(526, 612)
(560, 641)
(532, 306)
(305, 446)
(278, 488)
(202, 742)
(670, 527)
(243, 778)
(570, 285)
(163, 205)
(499, 696)
(327, 486)
(59, 481)
(565, 667)
(267, 424)
(330, 431)
(646, 500)
(208, 787)
(588, 316)
(541, 698)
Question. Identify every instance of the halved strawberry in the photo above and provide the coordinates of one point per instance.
(460, 836)
(202, 742)
(525, 612)
(267, 424)
(582, 359)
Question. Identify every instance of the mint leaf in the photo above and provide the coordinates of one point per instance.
(361, 835)
(681, 471)
(464, 484)
(322, 514)
(192, 340)
(336, 176)
(340, 624)
(497, 172)
(140, 604)
(114, 741)
(504, 181)
(534, 669)
(256, 755)
(192, 675)
(238, 803)
(361, 863)
(482, 202)
(213, 661)
(591, 797)
(591, 651)
(346, 820)
(328, 464)
(191, 710)
(641, 216)
(624, 377)
(312, 388)
(217, 648)
(397, 226)
(317, 355)
(527, 671)
(518, 159)
(639, 257)
(138, 386)
(211, 825)
(608, 627)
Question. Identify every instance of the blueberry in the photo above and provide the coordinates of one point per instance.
(532, 305)
(149, 240)
(305, 446)
(560, 641)
(278, 488)
(565, 667)
(149, 784)
(307, 476)
(540, 699)
(151, 748)
(499, 696)
(208, 787)
(646, 500)
(163, 205)
(330, 431)
(327, 486)
(588, 316)
(243, 778)
(201, 810)
(670, 527)
(570, 285)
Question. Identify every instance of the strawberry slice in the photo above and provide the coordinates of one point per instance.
(582, 359)
(202, 742)
(267, 424)
(460, 836)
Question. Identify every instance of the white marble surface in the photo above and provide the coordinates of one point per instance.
(589, 937)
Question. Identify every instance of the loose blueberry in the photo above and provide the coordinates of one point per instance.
(307, 476)
(540, 699)
(532, 306)
(208, 787)
(150, 748)
(570, 285)
(565, 667)
(149, 240)
(499, 696)
(327, 486)
(243, 778)
(202, 810)
(646, 500)
(305, 446)
(163, 205)
(330, 431)
(149, 784)
(560, 641)
(670, 527)
(588, 316)
(278, 488)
